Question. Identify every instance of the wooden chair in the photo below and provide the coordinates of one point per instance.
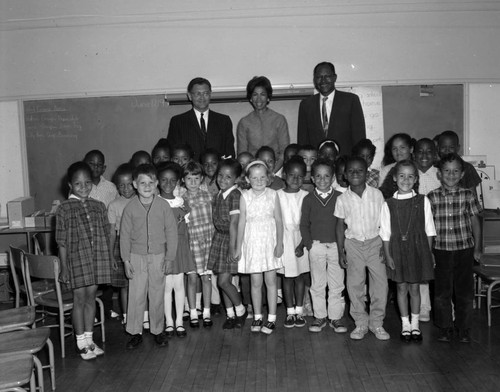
(17, 318)
(487, 282)
(16, 370)
(58, 303)
(17, 270)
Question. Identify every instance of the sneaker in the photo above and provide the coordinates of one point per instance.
(96, 349)
(113, 314)
(380, 333)
(256, 326)
(289, 321)
(229, 323)
(134, 341)
(300, 321)
(268, 327)
(318, 324)
(359, 332)
(86, 353)
(445, 335)
(337, 326)
(307, 309)
(425, 316)
(161, 339)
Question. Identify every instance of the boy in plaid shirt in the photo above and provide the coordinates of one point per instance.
(455, 211)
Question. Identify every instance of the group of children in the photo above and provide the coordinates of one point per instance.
(177, 232)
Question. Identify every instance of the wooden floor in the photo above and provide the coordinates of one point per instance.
(288, 360)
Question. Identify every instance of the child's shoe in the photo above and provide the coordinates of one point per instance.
(86, 353)
(229, 323)
(207, 322)
(134, 341)
(425, 316)
(289, 321)
(96, 349)
(161, 339)
(268, 327)
(464, 336)
(338, 326)
(445, 335)
(359, 332)
(300, 321)
(145, 325)
(318, 325)
(113, 314)
(380, 333)
(416, 335)
(256, 325)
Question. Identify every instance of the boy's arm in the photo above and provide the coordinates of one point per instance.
(305, 224)
(125, 229)
(476, 232)
(241, 227)
(278, 251)
(388, 258)
(340, 228)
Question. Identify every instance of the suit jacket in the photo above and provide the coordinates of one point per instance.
(184, 128)
(346, 127)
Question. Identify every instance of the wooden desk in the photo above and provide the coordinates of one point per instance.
(29, 232)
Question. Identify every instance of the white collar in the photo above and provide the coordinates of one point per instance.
(72, 196)
(330, 96)
(325, 194)
(228, 191)
(404, 196)
(176, 202)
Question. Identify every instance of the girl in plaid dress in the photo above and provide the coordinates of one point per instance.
(226, 212)
(82, 234)
(201, 230)
(123, 182)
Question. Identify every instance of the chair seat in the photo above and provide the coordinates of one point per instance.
(40, 287)
(12, 319)
(50, 300)
(487, 273)
(30, 340)
(16, 370)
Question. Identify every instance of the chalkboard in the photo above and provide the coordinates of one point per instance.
(60, 131)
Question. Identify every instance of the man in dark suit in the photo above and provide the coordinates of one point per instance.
(331, 114)
(200, 127)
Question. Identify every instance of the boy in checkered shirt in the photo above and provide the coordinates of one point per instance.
(457, 244)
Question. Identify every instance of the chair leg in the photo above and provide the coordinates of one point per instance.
(32, 381)
(39, 371)
(61, 334)
(479, 291)
(101, 313)
(52, 367)
(488, 299)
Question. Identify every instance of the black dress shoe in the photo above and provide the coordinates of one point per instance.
(169, 331)
(207, 323)
(416, 335)
(180, 331)
(194, 323)
(161, 339)
(464, 336)
(216, 309)
(239, 321)
(229, 323)
(134, 341)
(405, 336)
(445, 335)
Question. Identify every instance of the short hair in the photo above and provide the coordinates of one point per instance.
(388, 158)
(406, 163)
(192, 168)
(361, 145)
(170, 166)
(233, 164)
(92, 153)
(292, 146)
(353, 159)
(295, 161)
(259, 81)
(307, 147)
(450, 158)
(185, 147)
(450, 134)
(426, 140)
(161, 145)
(198, 80)
(125, 169)
(138, 155)
(324, 64)
(146, 169)
(322, 162)
(209, 151)
(78, 167)
(265, 149)
(245, 154)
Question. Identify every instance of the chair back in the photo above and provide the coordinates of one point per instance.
(16, 261)
(41, 267)
(38, 244)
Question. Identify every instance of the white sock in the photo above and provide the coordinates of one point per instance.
(146, 316)
(299, 310)
(257, 317)
(125, 318)
(414, 321)
(240, 310)
(290, 311)
(230, 312)
(206, 313)
(280, 293)
(271, 318)
(193, 314)
(81, 342)
(198, 300)
(406, 323)
(88, 338)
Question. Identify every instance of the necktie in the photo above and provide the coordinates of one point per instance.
(202, 124)
(324, 115)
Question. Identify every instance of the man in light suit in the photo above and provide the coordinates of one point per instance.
(331, 114)
(200, 127)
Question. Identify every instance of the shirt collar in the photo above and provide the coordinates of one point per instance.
(198, 113)
(330, 96)
(404, 196)
(228, 191)
(72, 196)
(324, 194)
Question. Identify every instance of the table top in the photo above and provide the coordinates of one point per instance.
(41, 229)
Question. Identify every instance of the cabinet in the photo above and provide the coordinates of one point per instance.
(490, 224)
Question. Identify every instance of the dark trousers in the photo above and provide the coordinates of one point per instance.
(454, 281)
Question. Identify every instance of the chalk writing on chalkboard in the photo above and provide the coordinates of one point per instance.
(51, 122)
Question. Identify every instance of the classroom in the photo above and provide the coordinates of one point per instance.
(110, 75)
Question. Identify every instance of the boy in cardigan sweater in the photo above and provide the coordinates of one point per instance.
(317, 227)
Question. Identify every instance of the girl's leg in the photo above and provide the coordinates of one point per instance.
(414, 289)
(300, 287)
(272, 293)
(229, 290)
(78, 311)
(288, 291)
(124, 302)
(169, 286)
(206, 283)
(256, 292)
(85, 297)
(178, 281)
(192, 280)
(402, 298)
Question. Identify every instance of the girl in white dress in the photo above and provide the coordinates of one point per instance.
(295, 261)
(260, 242)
